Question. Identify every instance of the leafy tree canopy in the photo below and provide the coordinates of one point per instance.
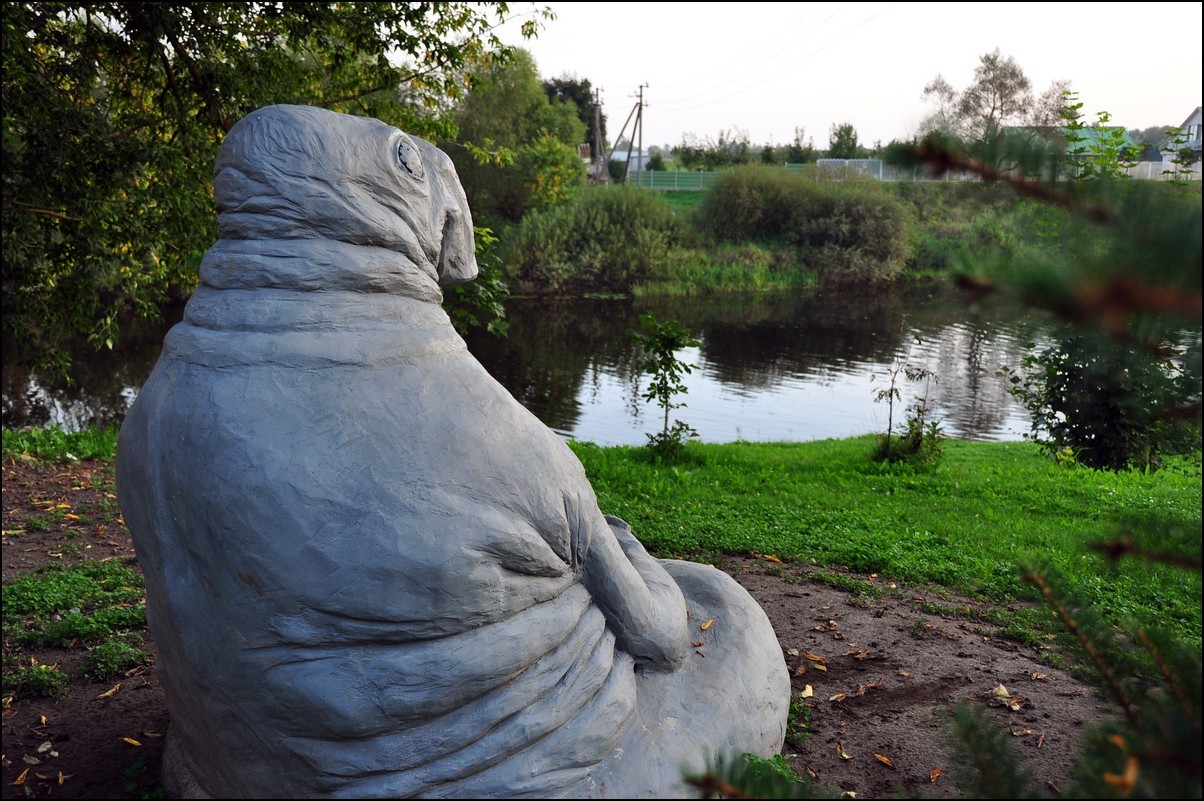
(502, 122)
(842, 142)
(579, 93)
(114, 113)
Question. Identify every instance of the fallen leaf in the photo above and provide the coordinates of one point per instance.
(21, 779)
(998, 692)
(698, 644)
(64, 776)
(1039, 676)
(815, 657)
(904, 673)
(44, 747)
(818, 666)
(109, 693)
(768, 557)
(885, 761)
(934, 775)
(1041, 741)
(791, 652)
(1018, 732)
(837, 697)
(62, 506)
(800, 670)
(840, 751)
(131, 741)
(28, 760)
(707, 624)
(857, 654)
(71, 517)
(43, 719)
(807, 692)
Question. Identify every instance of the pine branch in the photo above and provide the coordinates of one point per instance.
(1097, 658)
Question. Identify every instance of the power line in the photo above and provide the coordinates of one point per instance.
(813, 53)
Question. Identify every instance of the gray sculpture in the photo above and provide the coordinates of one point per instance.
(371, 572)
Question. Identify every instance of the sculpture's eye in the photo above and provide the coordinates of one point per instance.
(409, 158)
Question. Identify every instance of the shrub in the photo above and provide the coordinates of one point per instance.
(605, 239)
(1108, 406)
(854, 231)
(919, 441)
(849, 231)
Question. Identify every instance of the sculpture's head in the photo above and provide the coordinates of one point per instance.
(300, 172)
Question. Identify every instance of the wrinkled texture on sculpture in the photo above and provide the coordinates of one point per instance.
(370, 571)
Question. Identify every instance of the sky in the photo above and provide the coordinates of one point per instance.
(765, 69)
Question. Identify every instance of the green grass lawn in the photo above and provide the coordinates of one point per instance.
(966, 526)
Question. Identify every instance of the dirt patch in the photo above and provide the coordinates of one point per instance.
(884, 663)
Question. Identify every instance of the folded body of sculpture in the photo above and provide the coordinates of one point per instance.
(370, 571)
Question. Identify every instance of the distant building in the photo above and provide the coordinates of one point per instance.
(1191, 130)
(639, 158)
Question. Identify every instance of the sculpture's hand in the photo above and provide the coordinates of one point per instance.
(641, 601)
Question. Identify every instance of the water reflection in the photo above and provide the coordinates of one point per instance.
(768, 368)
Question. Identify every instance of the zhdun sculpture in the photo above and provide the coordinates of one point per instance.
(370, 572)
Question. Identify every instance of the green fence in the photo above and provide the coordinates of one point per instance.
(673, 181)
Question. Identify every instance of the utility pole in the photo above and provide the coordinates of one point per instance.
(639, 124)
(601, 166)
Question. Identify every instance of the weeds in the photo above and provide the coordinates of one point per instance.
(93, 602)
(36, 679)
(112, 658)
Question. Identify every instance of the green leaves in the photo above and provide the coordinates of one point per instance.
(114, 113)
(660, 343)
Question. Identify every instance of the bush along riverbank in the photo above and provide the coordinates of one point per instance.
(912, 569)
(766, 229)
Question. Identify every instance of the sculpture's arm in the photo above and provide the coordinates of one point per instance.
(642, 603)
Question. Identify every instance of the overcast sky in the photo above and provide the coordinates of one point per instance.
(766, 68)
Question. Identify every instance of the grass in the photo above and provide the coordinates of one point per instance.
(965, 526)
(57, 445)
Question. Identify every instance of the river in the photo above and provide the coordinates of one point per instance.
(797, 367)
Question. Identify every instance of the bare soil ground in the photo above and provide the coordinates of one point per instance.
(880, 669)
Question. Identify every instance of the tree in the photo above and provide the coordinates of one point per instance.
(114, 112)
(579, 93)
(842, 142)
(695, 152)
(797, 152)
(999, 96)
(1150, 141)
(659, 343)
(506, 114)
